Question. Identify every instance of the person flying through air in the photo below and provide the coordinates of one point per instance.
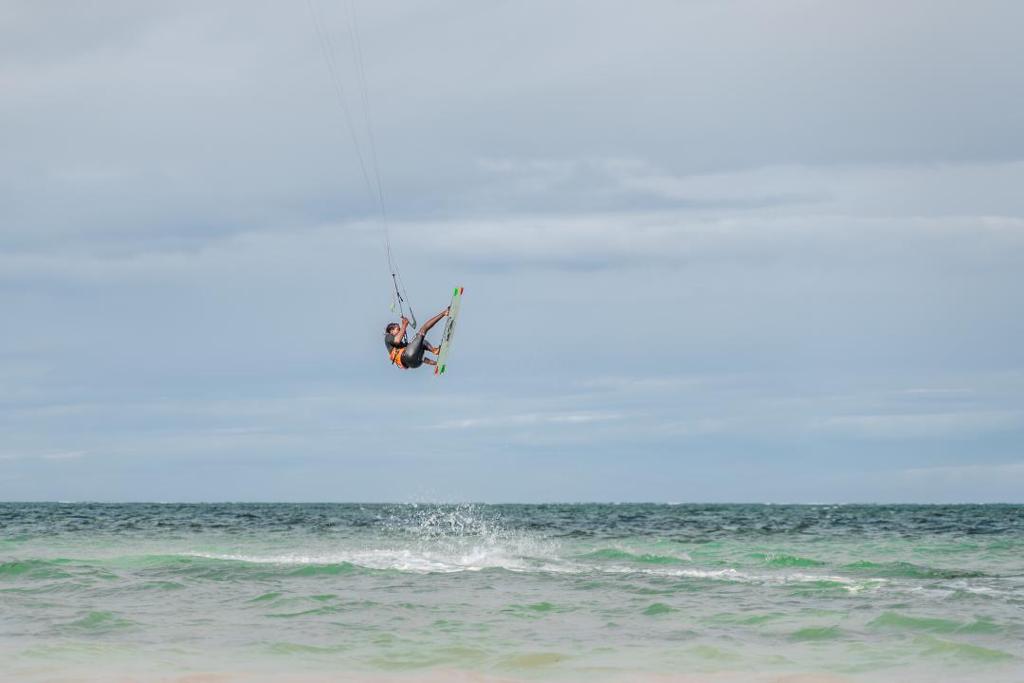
(408, 355)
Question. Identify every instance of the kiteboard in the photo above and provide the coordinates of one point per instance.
(449, 331)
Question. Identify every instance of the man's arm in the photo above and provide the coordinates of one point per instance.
(400, 335)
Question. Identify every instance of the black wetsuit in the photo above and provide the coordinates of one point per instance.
(412, 352)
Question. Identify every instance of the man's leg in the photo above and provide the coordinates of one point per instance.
(433, 321)
(412, 355)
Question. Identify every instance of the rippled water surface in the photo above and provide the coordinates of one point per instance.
(519, 591)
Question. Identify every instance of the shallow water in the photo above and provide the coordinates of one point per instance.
(512, 591)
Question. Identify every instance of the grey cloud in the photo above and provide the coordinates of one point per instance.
(698, 239)
(183, 122)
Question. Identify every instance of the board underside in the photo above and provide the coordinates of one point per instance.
(449, 332)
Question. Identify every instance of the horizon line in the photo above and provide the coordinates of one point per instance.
(524, 503)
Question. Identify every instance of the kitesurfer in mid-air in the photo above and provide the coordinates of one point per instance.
(410, 354)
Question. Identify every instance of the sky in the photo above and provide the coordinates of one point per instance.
(729, 251)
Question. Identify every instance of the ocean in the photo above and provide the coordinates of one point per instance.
(317, 592)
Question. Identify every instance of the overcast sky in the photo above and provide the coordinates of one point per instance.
(712, 250)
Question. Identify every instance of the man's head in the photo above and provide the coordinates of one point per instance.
(392, 328)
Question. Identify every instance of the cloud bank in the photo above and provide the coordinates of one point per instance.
(712, 251)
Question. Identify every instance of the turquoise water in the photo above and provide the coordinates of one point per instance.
(560, 592)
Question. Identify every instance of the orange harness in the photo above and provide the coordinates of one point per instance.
(396, 357)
